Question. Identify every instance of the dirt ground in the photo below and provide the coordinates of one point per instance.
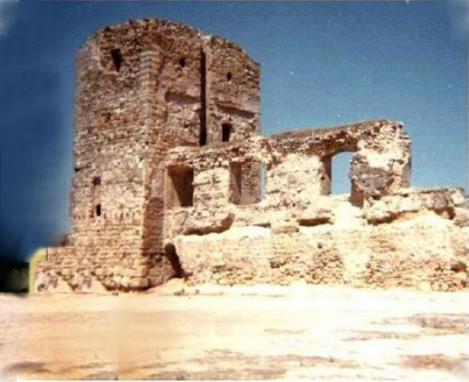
(262, 332)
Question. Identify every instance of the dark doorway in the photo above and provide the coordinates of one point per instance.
(179, 187)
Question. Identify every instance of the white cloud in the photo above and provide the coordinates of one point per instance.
(7, 9)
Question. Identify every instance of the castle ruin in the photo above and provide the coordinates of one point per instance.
(172, 178)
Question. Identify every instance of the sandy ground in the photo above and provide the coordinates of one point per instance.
(262, 332)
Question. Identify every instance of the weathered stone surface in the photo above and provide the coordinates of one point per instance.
(143, 87)
(461, 217)
(406, 201)
(172, 178)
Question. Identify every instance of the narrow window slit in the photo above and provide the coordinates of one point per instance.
(226, 130)
(98, 210)
(116, 59)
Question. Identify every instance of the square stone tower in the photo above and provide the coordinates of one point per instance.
(144, 87)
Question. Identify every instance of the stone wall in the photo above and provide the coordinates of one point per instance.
(383, 234)
(418, 253)
(169, 181)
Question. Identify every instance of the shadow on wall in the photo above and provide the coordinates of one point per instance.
(14, 270)
(14, 277)
(171, 255)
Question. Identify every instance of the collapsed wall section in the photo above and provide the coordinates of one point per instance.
(382, 234)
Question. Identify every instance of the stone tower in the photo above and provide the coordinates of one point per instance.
(144, 87)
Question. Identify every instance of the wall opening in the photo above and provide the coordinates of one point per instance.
(247, 182)
(171, 254)
(226, 130)
(182, 62)
(179, 188)
(229, 76)
(116, 59)
(96, 197)
(340, 173)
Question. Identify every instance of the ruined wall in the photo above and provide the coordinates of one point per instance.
(298, 163)
(383, 234)
(418, 254)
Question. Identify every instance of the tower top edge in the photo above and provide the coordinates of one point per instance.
(162, 26)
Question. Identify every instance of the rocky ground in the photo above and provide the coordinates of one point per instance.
(263, 332)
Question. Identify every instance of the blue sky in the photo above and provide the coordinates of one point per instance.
(323, 64)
